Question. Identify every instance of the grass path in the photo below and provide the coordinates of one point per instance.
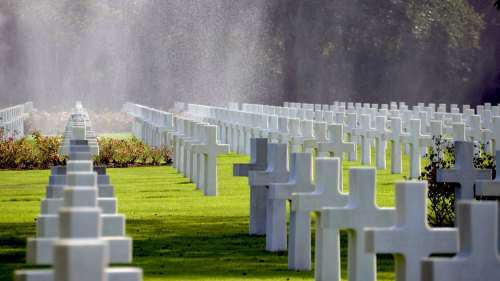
(178, 233)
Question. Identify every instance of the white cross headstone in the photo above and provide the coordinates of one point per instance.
(394, 136)
(458, 132)
(475, 132)
(78, 250)
(359, 213)
(380, 143)
(477, 257)
(186, 149)
(414, 140)
(327, 193)
(176, 139)
(410, 239)
(191, 167)
(258, 194)
(362, 132)
(276, 172)
(349, 130)
(299, 252)
(491, 189)
(463, 172)
(494, 133)
(319, 137)
(295, 138)
(336, 146)
(210, 149)
(436, 132)
(200, 158)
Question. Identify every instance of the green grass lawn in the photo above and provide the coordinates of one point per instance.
(122, 136)
(178, 233)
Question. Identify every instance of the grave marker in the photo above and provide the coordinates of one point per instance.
(258, 194)
(319, 137)
(362, 132)
(327, 193)
(395, 137)
(380, 143)
(491, 189)
(477, 257)
(463, 172)
(276, 172)
(359, 213)
(210, 149)
(336, 146)
(349, 130)
(414, 140)
(299, 252)
(410, 239)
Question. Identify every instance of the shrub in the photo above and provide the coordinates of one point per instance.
(133, 152)
(41, 152)
(441, 208)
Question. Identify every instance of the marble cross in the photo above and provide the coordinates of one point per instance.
(394, 136)
(327, 193)
(410, 239)
(258, 194)
(299, 250)
(362, 132)
(477, 257)
(336, 146)
(463, 172)
(491, 189)
(276, 172)
(414, 140)
(210, 149)
(380, 143)
(359, 213)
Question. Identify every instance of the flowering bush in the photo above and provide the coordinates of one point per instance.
(30, 153)
(41, 152)
(133, 152)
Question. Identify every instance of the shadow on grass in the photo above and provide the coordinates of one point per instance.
(184, 247)
(191, 247)
(13, 248)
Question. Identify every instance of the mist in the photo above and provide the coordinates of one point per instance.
(156, 52)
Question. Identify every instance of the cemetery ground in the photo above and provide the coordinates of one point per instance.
(178, 234)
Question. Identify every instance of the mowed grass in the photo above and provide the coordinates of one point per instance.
(178, 233)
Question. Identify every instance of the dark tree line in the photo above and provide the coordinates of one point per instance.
(156, 52)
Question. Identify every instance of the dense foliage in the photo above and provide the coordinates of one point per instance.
(441, 208)
(42, 152)
(133, 152)
(24, 153)
(214, 51)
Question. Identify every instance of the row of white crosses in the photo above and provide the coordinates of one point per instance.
(78, 118)
(302, 127)
(402, 231)
(280, 124)
(272, 184)
(148, 124)
(12, 120)
(195, 141)
(79, 231)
